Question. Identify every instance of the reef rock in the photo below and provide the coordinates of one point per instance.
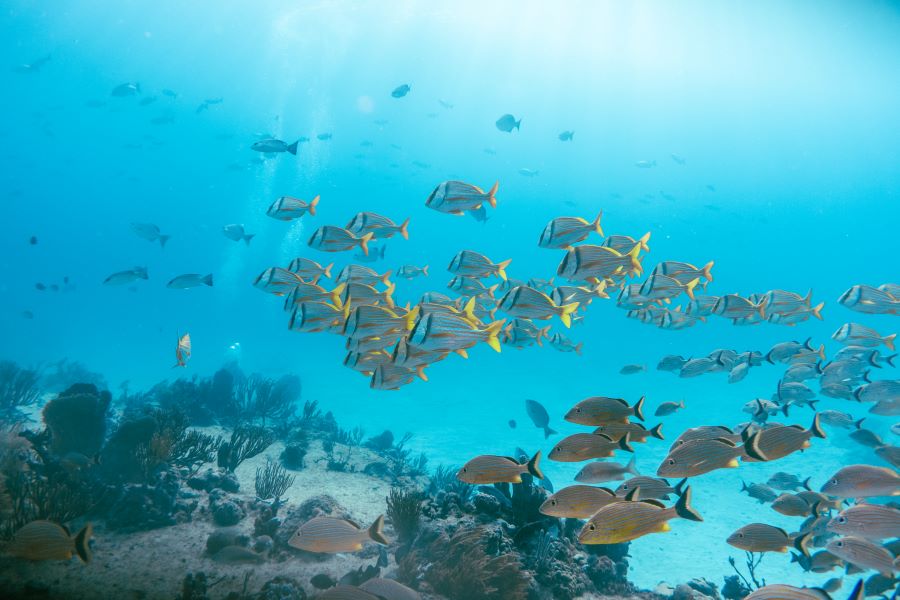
(225, 537)
(282, 588)
(141, 507)
(211, 480)
(225, 510)
(76, 419)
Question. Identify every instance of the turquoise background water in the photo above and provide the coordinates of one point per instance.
(785, 113)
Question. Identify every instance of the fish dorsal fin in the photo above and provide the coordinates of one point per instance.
(638, 426)
(511, 459)
(66, 529)
(652, 502)
(603, 435)
(728, 429)
(725, 441)
(606, 490)
(800, 427)
(354, 523)
(621, 401)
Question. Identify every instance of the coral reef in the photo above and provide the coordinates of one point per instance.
(404, 508)
(149, 506)
(76, 419)
(272, 481)
(246, 442)
(18, 387)
(226, 510)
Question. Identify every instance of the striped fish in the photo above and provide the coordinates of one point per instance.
(456, 197)
(785, 302)
(380, 226)
(388, 376)
(310, 269)
(864, 554)
(583, 263)
(470, 286)
(652, 488)
(528, 303)
(733, 306)
(362, 274)
(578, 501)
(488, 468)
(870, 521)
(331, 535)
(287, 208)
(347, 592)
(446, 332)
(699, 456)
(564, 232)
(329, 238)
(371, 344)
(780, 591)
(625, 521)
(45, 540)
(869, 300)
(778, 442)
(363, 294)
(370, 321)
(583, 446)
(311, 317)
(759, 537)
(583, 295)
(366, 362)
(183, 350)
(310, 292)
(706, 432)
(664, 287)
(601, 472)
(473, 264)
(600, 410)
(684, 272)
(624, 243)
(854, 334)
(278, 281)
(389, 589)
(636, 432)
(411, 356)
(521, 333)
(792, 505)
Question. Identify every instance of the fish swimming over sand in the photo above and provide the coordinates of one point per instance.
(578, 501)
(699, 456)
(602, 471)
(870, 521)
(539, 416)
(584, 446)
(864, 554)
(45, 540)
(863, 481)
(600, 410)
(759, 537)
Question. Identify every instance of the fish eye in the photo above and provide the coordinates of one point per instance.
(465, 470)
(553, 502)
(839, 544)
(740, 535)
(558, 449)
(592, 527)
(578, 410)
(671, 461)
(842, 519)
(834, 482)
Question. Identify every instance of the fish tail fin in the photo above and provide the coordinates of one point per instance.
(565, 313)
(469, 311)
(292, 148)
(816, 428)
(890, 359)
(83, 543)
(806, 485)
(625, 443)
(492, 194)
(800, 543)
(534, 465)
(312, 206)
(493, 331)
(383, 248)
(689, 288)
(548, 431)
(336, 294)
(859, 591)
(679, 487)
(683, 507)
(389, 295)
(420, 372)
(761, 308)
(751, 447)
(657, 432)
(409, 319)
(706, 271)
(518, 124)
(542, 333)
(404, 229)
(639, 408)
(208, 280)
(578, 348)
(386, 278)
(364, 242)
(681, 404)
(596, 224)
(631, 467)
(327, 270)
(643, 242)
(859, 423)
(492, 290)
(376, 531)
(501, 268)
(462, 352)
(425, 270)
(817, 310)
(889, 340)
(635, 261)
(249, 237)
(163, 239)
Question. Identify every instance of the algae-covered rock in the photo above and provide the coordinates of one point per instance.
(76, 419)
(282, 588)
(225, 510)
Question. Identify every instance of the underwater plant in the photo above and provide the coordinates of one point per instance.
(272, 481)
(404, 509)
(246, 442)
(444, 479)
(753, 561)
(18, 388)
(310, 412)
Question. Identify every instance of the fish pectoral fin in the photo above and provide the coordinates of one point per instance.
(732, 464)
(665, 527)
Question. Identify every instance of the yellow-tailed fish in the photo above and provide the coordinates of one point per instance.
(636, 432)
(456, 197)
(582, 263)
(45, 540)
(278, 281)
(529, 303)
(362, 274)
(329, 238)
(652, 488)
(583, 295)
(310, 269)
(578, 501)
(446, 332)
(625, 521)
(563, 232)
(696, 457)
(625, 243)
(310, 292)
(287, 208)
(331, 535)
(368, 321)
(366, 362)
(759, 537)
(183, 350)
(583, 446)
(600, 410)
(318, 316)
(380, 226)
(366, 294)
(388, 376)
(472, 264)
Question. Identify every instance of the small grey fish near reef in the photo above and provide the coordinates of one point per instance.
(539, 416)
(400, 91)
(507, 123)
(273, 145)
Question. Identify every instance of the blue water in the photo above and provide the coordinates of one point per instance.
(786, 115)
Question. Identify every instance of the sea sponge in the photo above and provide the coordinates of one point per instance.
(76, 419)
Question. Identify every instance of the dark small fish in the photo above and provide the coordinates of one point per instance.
(632, 369)
(40, 287)
(400, 91)
(322, 581)
(272, 145)
(667, 408)
(33, 241)
(126, 89)
(324, 137)
(511, 423)
(507, 123)
(759, 491)
(566, 136)
(27, 314)
(539, 416)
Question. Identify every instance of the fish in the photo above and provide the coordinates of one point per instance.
(583, 295)
(448, 332)
(867, 438)
(733, 306)
(361, 274)
(183, 350)
(529, 172)
(889, 454)
(632, 369)
(870, 521)
(488, 468)
(324, 137)
(854, 334)
(380, 226)
(699, 456)
(759, 491)
(529, 303)
(651, 488)
(238, 555)
(583, 446)
(347, 592)
(778, 442)
(625, 521)
(645, 164)
(507, 123)
(400, 91)
(46, 540)
(367, 320)
(668, 408)
(388, 589)
(602, 472)
(625, 243)
(126, 89)
(863, 554)
(539, 416)
(564, 344)
(272, 145)
(288, 208)
(672, 362)
(190, 280)
(361, 293)
(585, 262)
(759, 537)
(412, 271)
(456, 197)
(870, 300)
(470, 286)
(331, 535)
(329, 238)
(472, 264)
(126, 277)
(698, 366)
(636, 431)
(706, 432)
(150, 232)
(792, 505)
(862, 481)
(578, 501)
(787, 481)
(309, 292)
(566, 136)
(600, 410)
(318, 316)
(236, 233)
(278, 281)
(780, 591)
